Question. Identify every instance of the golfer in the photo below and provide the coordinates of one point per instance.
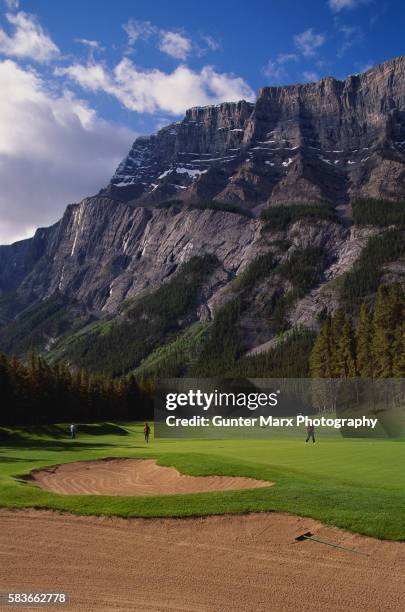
(146, 432)
(310, 433)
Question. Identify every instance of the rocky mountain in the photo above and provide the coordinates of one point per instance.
(326, 141)
(267, 190)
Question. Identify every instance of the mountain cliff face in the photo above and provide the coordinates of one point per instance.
(331, 140)
(103, 252)
(196, 188)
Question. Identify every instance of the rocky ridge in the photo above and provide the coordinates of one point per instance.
(326, 141)
(331, 141)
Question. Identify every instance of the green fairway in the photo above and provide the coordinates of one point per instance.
(356, 484)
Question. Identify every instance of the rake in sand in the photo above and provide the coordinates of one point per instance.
(309, 536)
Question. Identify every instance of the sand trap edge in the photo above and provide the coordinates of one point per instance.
(175, 483)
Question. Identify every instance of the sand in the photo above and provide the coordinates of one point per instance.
(131, 477)
(222, 564)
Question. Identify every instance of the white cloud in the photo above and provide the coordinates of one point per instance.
(93, 47)
(310, 76)
(176, 45)
(12, 5)
(308, 42)
(90, 76)
(367, 66)
(212, 44)
(139, 30)
(283, 58)
(28, 39)
(364, 66)
(54, 149)
(276, 70)
(352, 35)
(339, 5)
(91, 44)
(151, 91)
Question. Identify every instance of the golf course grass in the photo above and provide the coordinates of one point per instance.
(356, 484)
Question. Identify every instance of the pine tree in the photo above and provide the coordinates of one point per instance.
(320, 361)
(345, 360)
(338, 322)
(398, 363)
(364, 343)
(384, 331)
(6, 388)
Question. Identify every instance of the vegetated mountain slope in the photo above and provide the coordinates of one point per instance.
(95, 281)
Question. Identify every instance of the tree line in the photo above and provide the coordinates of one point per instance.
(373, 346)
(36, 392)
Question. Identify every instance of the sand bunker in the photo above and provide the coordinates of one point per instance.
(229, 563)
(132, 477)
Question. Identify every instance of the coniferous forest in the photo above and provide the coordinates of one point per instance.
(367, 343)
(36, 393)
(373, 346)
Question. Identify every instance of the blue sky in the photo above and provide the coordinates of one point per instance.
(256, 41)
(81, 79)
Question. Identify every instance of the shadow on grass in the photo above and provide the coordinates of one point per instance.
(9, 435)
(54, 431)
(102, 429)
(59, 445)
(5, 459)
(61, 431)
